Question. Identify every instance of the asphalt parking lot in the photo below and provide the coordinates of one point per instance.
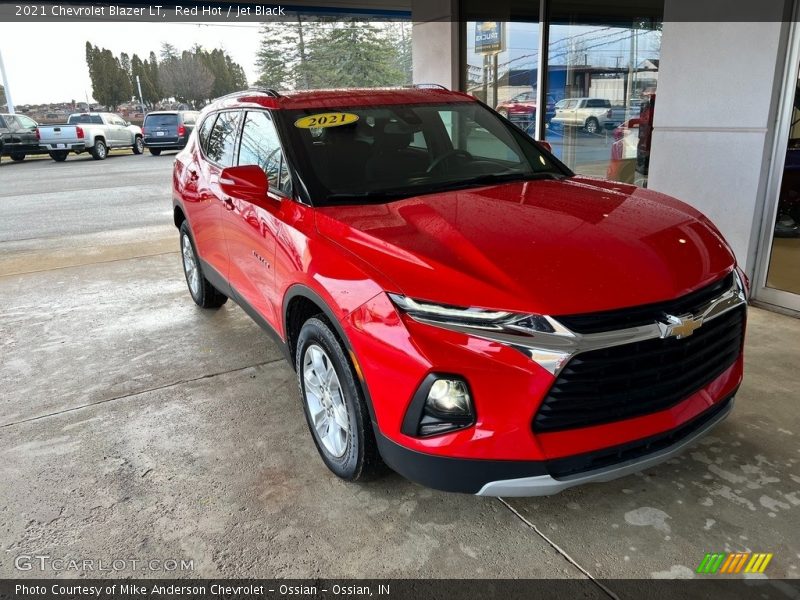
(134, 425)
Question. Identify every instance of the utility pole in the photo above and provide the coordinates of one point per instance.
(139, 85)
(9, 101)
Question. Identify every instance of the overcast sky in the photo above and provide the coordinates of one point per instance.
(46, 62)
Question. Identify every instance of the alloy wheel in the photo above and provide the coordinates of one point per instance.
(190, 266)
(325, 400)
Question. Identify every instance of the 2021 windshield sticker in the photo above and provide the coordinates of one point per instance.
(329, 119)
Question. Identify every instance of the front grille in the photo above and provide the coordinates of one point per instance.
(572, 465)
(636, 379)
(646, 313)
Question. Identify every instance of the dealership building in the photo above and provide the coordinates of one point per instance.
(722, 134)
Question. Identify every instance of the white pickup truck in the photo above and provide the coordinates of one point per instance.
(95, 133)
(592, 114)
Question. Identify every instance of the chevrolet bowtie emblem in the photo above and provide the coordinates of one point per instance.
(679, 327)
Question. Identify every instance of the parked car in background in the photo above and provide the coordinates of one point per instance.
(522, 107)
(591, 114)
(168, 130)
(95, 133)
(453, 298)
(18, 136)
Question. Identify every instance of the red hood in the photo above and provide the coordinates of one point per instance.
(549, 247)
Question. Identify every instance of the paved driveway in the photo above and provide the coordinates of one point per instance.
(133, 425)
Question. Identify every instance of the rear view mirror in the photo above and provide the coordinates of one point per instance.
(546, 146)
(247, 183)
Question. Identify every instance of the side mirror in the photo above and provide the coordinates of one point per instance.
(546, 146)
(248, 183)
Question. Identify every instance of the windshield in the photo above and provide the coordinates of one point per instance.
(380, 153)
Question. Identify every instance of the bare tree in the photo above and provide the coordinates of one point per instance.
(186, 79)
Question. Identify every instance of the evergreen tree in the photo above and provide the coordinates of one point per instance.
(353, 54)
(168, 52)
(276, 53)
(111, 83)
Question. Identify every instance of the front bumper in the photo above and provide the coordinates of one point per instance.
(544, 478)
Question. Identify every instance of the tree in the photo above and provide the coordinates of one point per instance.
(275, 56)
(186, 79)
(328, 53)
(150, 92)
(3, 100)
(350, 55)
(168, 52)
(111, 83)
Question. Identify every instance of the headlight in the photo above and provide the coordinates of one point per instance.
(470, 316)
(447, 313)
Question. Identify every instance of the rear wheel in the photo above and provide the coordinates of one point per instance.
(155, 151)
(203, 293)
(138, 145)
(17, 156)
(99, 151)
(592, 125)
(333, 403)
(59, 155)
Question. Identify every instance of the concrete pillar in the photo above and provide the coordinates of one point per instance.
(718, 89)
(435, 42)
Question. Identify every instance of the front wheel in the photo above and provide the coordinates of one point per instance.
(17, 156)
(99, 151)
(138, 145)
(59, 155)
(333, 403)
(203, 293)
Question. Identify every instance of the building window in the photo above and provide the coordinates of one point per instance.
(602, 73)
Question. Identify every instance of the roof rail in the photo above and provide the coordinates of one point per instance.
(429, 86)
(268, 91)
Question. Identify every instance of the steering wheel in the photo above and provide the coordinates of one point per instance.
(447, 155)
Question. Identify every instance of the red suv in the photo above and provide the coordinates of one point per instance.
(456, 302)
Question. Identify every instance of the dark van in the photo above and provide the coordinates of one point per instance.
(168, 130)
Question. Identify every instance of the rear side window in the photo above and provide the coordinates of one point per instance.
(597, 103)
(205, 131)
(261, 146)
(161, 120)
(222, 139)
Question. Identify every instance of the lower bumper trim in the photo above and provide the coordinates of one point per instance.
(541, 478)
(545, 485)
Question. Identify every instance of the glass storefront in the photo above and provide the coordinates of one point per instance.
(602, 75)
(783, 271)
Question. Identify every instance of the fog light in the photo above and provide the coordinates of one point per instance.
(449, 397)
(441, 404)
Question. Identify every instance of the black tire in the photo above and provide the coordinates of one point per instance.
(138, 145)
(203, 293)
(155, 151)
(99, 151)
(360, 459)
(59, 155)
(592, 125)
(17, 156)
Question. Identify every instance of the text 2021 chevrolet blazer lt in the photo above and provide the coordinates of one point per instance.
(455, 301)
